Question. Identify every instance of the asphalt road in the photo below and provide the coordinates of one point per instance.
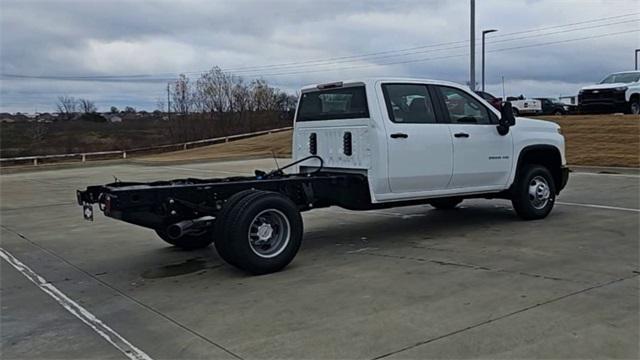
(399, 283)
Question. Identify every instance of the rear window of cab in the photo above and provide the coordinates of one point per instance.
(332, 104)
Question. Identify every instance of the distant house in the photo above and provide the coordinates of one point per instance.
(129, 116)
(17, 117)
(113, 118)
(46, 117)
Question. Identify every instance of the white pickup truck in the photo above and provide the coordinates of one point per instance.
(362, 144)
(523, 106)
(618, 92)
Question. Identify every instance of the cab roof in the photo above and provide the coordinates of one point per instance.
(373, 80)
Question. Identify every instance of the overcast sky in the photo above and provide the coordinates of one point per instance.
(317, 41)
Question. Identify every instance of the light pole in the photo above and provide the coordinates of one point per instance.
(637, 52)
(484, 33)
(472, 48)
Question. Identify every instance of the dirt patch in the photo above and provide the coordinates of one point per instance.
(591, 140)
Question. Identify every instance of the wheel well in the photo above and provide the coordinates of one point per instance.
(634, 97)
(545, 155)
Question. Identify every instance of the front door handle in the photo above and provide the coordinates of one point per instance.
(399, 136)
(461, 135)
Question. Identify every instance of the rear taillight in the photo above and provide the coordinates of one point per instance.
(347, 148)
(313, 144)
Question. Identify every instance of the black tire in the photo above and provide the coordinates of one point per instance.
(240, 242)
(534, 192)
(188, 242)
(445, 203)
(515, 111)
(558, 113)
(634, 106)
(224, 251)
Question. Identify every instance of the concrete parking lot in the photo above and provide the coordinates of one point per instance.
(399, 283)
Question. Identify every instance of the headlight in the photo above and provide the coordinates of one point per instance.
(621, 88)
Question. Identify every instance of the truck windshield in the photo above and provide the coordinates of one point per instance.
(332, 104)
(621, 78)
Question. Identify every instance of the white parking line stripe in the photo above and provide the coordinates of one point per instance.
(598, 206)
(599, 174)
(77, 310)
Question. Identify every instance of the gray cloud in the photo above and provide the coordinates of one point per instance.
(76, 38)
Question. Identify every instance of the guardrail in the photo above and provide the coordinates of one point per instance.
(84, 156)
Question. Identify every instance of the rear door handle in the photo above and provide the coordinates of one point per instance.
(461, 135)
(399, 136)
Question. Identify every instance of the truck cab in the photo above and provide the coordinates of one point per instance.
(419, 139)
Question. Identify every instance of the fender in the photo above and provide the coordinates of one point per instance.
(554, 164)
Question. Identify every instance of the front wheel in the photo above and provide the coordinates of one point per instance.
(534, 193)
(634, 107)
(260, 233)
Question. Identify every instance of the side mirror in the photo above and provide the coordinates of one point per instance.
(507, 119)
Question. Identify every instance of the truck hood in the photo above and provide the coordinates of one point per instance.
(535, 123)
(604, 86)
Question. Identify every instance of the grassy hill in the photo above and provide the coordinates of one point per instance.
(594, 140)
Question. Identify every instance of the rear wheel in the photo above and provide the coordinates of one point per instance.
(445, 203)
(516, 112)
(260, 232)
(188, 242)
(534, 193)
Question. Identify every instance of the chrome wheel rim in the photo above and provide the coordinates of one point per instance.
(269, 233)
(539, 192)
(635, 108)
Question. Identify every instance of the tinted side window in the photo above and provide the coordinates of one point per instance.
(342, 103)
(463, 108)
(409, 103)
(486, 96)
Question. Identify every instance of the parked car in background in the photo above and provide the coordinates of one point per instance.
(552, 106)
(496, 102)
(523, 106)
(618, 92)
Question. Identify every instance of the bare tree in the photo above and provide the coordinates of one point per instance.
(214, 91)
(160, 104)
(264, 97)
(87, 106)
(181, 95)
(66, 105)
(241, 97)
(114, 110)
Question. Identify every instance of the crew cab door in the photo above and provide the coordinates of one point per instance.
(481, 156)
(420, 156)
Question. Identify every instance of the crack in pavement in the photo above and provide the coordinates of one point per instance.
(38, 206)
(470, 266)
(455, 332)
(122, 293)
